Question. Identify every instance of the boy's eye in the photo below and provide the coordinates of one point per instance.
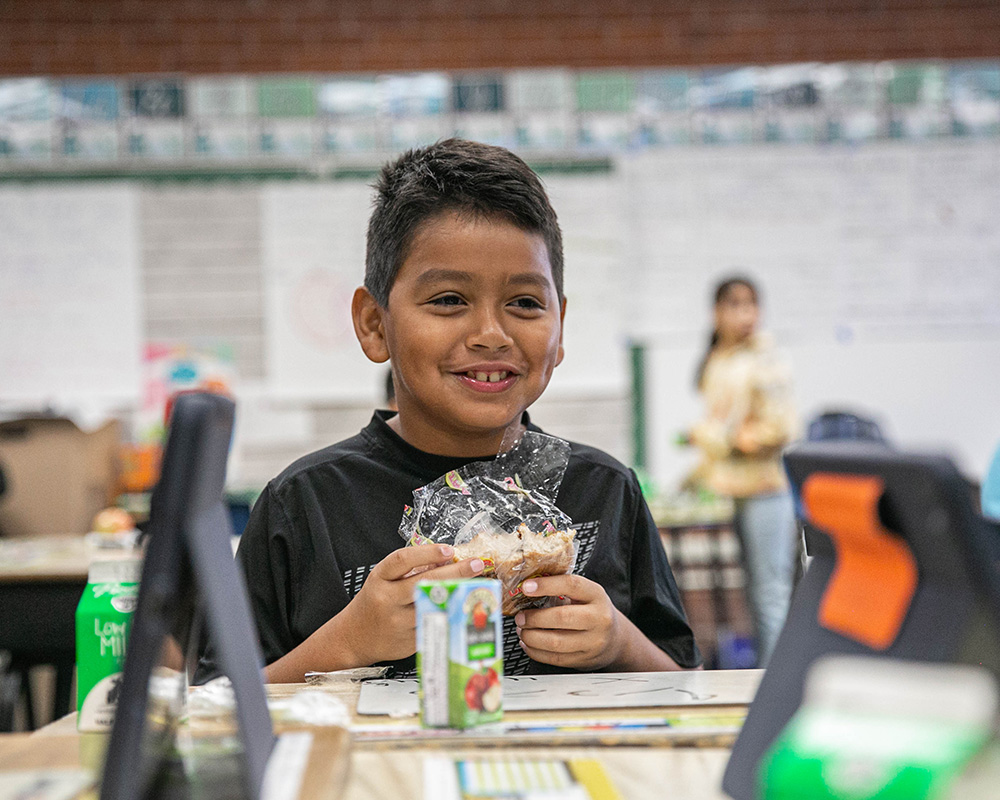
(446, 300)
(527, 303)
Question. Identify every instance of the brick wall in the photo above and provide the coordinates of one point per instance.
(65, 37)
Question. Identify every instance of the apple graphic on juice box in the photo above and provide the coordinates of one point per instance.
(483, 692)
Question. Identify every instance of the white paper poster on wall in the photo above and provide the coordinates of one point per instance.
(313, 251)
(591, 216)
(70, 308)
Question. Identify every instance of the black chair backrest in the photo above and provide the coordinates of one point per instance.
(844, 425)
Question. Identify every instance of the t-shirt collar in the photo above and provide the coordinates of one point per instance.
(426, 465)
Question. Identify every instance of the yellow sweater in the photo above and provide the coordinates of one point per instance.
(749, 419)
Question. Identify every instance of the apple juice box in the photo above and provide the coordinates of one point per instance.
(103, 620)
(459, 652)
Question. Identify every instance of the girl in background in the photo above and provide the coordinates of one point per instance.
(749, 418)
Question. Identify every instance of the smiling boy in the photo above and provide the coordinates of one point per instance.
(463, 295)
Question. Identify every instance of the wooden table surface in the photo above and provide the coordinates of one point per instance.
(54, 558)
(639, 773)
(394, 769)
(325, 774)
(48, 558)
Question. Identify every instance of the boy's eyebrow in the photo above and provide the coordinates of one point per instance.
(444, 275)
(532, 278)
(435, 275)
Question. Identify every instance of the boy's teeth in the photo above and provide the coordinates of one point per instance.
(484, 377)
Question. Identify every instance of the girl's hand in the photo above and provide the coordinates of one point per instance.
(745, 442)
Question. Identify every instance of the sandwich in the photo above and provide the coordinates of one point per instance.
(512, 558)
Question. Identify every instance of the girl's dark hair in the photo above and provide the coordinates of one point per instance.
(721, 290)
(478, 180)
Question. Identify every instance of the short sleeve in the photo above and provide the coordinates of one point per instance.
(656, 604)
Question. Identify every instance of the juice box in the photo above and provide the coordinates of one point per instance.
(459, 652)
(103, 620)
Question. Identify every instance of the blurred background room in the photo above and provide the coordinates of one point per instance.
(184, 192)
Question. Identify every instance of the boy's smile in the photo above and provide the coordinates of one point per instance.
(474, 330)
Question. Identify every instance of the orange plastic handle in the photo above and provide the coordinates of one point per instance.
(875, 577)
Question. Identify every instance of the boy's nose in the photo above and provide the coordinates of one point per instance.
(488, 332)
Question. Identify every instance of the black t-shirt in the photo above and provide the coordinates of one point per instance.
(322, 524)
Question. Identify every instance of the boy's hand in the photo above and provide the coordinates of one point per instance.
(584, 631)
(380, 622)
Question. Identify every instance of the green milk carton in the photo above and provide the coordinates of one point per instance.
(459, 652)
(103, 620)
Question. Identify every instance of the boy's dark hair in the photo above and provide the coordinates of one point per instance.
(390, 387)
(474, 179)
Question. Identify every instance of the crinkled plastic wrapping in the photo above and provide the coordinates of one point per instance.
(311, 706)
(504, 512)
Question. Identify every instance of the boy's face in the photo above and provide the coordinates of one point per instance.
(474, 330)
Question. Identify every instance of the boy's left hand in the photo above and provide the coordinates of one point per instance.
(584, 631)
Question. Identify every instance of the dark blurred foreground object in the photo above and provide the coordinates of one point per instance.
(844, 426)
(903, 567)
(189, 577)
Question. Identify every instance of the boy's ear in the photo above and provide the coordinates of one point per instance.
(369, 325)
(562, 327)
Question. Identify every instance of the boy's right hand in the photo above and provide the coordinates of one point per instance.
(380, 622)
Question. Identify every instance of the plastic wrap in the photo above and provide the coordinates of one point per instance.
(502, 511)
(216, 700)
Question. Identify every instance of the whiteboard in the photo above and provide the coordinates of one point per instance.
(70, 303)
(893, 241)
(880, 273)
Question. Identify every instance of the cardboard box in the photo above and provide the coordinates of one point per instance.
(57, 476)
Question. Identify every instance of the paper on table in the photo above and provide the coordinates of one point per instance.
(398, 698)
(517, 779)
